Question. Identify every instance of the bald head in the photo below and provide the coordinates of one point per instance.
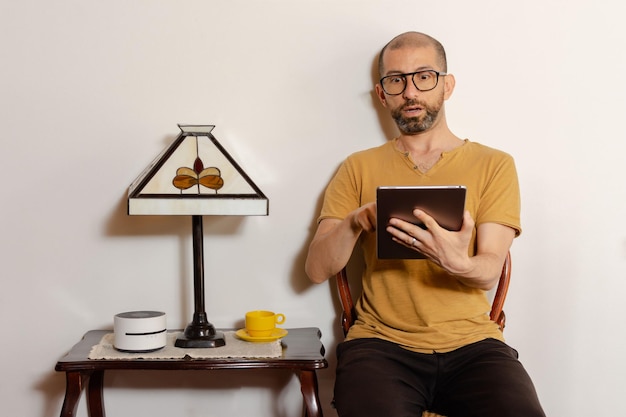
(415, 40)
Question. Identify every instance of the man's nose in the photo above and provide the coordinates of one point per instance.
(411, 90)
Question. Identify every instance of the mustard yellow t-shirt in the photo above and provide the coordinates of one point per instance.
(415, 303)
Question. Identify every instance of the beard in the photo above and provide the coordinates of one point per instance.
(413, 125)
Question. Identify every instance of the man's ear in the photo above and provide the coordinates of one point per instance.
(381, 95)
(448, 85)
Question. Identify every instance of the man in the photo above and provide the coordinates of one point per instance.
(423, 339)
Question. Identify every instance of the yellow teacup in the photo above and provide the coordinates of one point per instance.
(261, 323)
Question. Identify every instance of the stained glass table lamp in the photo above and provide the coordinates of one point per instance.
(196, 176)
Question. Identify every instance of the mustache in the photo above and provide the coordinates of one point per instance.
(413, 103)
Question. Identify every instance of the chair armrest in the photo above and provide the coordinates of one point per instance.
(497, 314)
(347, 305)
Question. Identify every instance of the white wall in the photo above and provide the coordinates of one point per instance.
(91, 91)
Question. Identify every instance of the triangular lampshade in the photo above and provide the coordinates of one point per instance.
(195, 176)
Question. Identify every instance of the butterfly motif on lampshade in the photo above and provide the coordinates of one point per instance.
(208, 177)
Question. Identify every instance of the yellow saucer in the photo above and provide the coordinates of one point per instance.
(276, 334)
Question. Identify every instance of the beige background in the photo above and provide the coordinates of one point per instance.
(92, 91)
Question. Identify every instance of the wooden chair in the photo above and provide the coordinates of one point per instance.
(348, 314)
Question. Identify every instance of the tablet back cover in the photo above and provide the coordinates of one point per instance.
(444, 203)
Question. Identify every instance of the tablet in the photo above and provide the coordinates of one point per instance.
(444, 203)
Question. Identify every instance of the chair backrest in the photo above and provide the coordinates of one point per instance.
(348, 314)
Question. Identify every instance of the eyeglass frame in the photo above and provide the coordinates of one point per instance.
(412, 74)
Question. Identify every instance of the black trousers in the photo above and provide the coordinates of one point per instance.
(380, 379)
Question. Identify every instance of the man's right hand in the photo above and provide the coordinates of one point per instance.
(364, 218)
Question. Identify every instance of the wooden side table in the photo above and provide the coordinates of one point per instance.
(303, 354)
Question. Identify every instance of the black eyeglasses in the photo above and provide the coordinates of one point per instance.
(422, 80)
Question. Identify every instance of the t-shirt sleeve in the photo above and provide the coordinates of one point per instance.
(500, 199)
(342, 195)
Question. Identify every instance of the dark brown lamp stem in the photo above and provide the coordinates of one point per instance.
(199, 333)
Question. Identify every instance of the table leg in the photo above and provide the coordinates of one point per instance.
(308, 386)
(95, 402)
(73, 389)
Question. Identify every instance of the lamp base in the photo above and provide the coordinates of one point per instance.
(213, 341)
(200, 334)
